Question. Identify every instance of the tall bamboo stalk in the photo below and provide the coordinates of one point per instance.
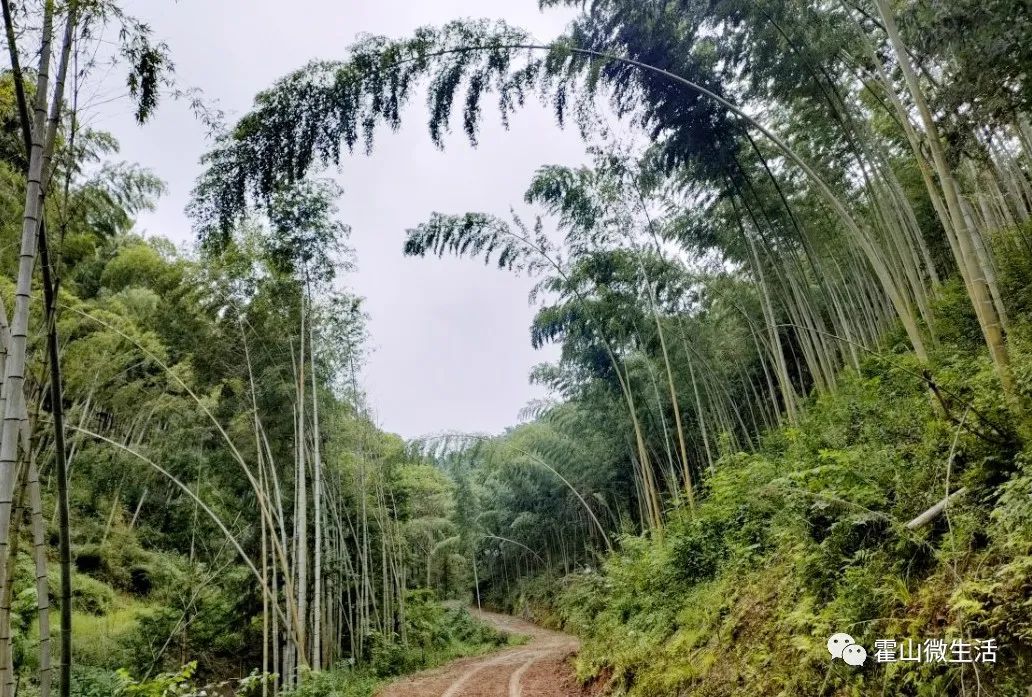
(985, 310)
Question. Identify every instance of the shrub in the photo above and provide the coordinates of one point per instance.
(433, 633)
(338, 683)
(88, 681)
(89, 595)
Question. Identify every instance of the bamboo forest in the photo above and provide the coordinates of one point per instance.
(773, 434)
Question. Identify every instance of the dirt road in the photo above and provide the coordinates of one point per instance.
(539, 668)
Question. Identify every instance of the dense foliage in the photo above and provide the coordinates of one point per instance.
(183, 375)
(807, 536)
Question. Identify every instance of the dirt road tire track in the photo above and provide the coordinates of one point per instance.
(539, 668)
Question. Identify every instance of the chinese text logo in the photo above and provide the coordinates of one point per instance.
(841, 645)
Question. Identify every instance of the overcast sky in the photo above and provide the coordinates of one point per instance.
(449, 338)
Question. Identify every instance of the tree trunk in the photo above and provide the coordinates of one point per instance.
(317, 503)
(39, 548)
(977, 285)
(14, 371)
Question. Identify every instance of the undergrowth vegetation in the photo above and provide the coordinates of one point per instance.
(808, 536)
(118, 657)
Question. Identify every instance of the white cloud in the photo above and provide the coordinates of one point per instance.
(450, 339)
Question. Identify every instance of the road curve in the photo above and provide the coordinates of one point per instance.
(539, 668)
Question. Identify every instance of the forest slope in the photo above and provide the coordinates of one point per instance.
(807, 537)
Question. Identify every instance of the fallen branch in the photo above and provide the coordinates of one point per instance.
(935, 511)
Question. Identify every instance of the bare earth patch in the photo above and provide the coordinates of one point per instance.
(539, 668)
